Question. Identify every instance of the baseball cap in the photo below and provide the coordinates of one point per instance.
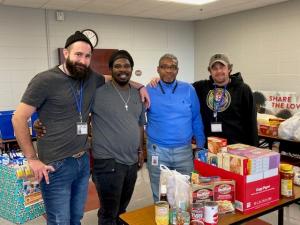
(222, 58)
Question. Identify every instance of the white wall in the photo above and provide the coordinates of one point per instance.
(26, 34)
(262, 43)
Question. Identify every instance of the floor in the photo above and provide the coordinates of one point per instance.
(142, 197)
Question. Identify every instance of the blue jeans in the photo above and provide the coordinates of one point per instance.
(115, 184)
(179, 159)
(65, 196)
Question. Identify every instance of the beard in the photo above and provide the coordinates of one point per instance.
(77, 70)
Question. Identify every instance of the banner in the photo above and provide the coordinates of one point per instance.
(279, 103)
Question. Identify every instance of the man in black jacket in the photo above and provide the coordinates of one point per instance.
(227, 105)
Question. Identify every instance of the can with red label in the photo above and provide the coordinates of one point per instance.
(197, 212)
(211, 213)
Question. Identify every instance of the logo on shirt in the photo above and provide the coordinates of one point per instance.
(221, 98)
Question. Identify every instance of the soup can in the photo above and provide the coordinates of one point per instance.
(162, 213)
(211, 213)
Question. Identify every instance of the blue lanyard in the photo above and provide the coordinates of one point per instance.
(218, 103)
(78, 101)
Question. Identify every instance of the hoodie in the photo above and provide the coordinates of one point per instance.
(236, 111)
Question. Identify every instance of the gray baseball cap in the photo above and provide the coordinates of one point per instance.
(222, 58)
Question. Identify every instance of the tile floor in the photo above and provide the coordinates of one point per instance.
(142, 197)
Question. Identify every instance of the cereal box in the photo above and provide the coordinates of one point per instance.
(216, 144)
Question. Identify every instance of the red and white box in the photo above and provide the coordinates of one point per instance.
(252, 191)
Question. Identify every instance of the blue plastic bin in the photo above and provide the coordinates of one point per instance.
(6, 126)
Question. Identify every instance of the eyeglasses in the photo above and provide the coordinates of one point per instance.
(165, 67)
(119, 66)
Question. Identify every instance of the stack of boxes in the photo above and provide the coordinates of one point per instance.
(254, 170)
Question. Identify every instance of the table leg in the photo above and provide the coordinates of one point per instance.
(280, 216)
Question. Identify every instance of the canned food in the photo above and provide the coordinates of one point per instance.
(162, 213)
(182, 218)
(173, 214)
(211, 213)
(20, 172)
(197, 212)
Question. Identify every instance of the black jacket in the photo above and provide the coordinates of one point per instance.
(237, 112)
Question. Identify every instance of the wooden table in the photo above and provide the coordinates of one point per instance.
(145, 216)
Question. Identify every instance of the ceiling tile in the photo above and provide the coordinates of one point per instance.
(146, 8)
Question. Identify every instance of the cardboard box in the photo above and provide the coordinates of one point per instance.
(234, 163)
(239, 147)
(252, 191)
(261, 160)
(268, 130)
(216, 144)
(13, 205)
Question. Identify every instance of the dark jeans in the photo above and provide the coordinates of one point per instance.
(115, 184)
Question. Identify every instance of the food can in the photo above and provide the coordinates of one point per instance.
(172, 218)
(182, 218)
(197, 212)
(211, 213)
(162, 213)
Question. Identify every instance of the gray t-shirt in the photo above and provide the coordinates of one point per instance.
(51, 93)
(116, 132)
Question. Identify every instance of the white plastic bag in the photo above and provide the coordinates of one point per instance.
(178, 187)
(289, 129)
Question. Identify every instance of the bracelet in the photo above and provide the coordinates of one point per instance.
(140, 87)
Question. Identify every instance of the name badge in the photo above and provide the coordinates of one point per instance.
(154, 160)
(216, 127)
(82, 128)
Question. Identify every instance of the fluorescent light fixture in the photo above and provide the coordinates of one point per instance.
(190, 2)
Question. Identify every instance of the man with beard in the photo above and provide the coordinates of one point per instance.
(62, 97)
(228, 109)
(173, 119)
(118, 118)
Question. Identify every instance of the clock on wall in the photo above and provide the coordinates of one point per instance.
(92, 36)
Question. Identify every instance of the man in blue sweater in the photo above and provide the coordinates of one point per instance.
(173, 119)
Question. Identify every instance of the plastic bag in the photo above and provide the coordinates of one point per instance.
(289, 129)
(178, 187)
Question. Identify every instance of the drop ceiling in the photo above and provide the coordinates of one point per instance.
(146, 8)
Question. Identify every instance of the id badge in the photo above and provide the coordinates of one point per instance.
(82, 128)
(216, 127)
(154, 160)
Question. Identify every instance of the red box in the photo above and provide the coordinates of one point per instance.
(270, 130)
(250, 195)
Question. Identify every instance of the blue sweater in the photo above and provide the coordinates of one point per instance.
(174, 115)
